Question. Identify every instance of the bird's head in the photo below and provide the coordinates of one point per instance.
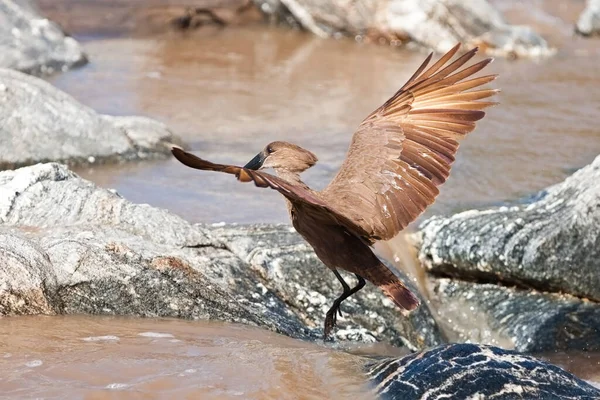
(283, 155)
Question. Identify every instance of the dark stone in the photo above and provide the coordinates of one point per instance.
(469, 371)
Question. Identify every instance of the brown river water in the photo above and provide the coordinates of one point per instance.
(229, 92)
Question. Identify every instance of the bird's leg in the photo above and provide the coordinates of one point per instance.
(331, 316)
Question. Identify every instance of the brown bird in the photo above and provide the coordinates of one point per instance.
(398, 157)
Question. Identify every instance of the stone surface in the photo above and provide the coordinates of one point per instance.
(434, 24)
(40, 123)
(528, 271)
(467, 371)
(551, 243)
(524, 320)
(588, 23)
(82, 249)
(32, 43)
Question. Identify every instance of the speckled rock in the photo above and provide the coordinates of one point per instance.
(435, 24)
(40, 123)
(83, 249)
(33, 44)
(289, 267)
(468, 371)
(509, 262)
(588, 23)
(524, 320)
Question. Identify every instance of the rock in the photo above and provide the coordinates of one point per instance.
(468, 371)
(40, 123)
(544, 253)
(588, 23)
(524, 320)
(32, 43)
(84, 249)
(434, 24)
(289, 267)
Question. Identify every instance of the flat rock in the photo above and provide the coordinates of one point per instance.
(468, 371)
(75, 248)
(41, 123)
(32, 43)
(434, 24)
(588, 23)
(507, 263)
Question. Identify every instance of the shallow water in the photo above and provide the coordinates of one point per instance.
(80, 357)
(230, 92)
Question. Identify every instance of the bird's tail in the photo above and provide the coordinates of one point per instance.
(392, 286)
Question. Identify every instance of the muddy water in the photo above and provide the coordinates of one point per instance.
(119, 358)
(229, 92)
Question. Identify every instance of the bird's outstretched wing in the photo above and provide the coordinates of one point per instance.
(403, 150)
(296, 194)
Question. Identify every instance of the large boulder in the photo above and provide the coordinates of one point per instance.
(72, 247)
(32, 43)
(588, 23)
(435, 24)
(468, 371)
(38, 123)
(508, 263)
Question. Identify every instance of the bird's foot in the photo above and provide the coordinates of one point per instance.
(330, 321)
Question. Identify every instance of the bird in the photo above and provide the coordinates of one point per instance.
(398, 157)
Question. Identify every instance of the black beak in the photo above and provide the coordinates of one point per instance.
(256, 162)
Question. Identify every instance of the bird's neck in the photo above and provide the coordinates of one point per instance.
(289, 176)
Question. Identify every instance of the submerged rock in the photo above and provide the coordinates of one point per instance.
(32, 43)
(508, 263)
(77, 248)
(588, 23)
(468, 371)
(38, 123)
(435, 24)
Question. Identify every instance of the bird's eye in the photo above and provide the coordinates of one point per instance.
(269, 149)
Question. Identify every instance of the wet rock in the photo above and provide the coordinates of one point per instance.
(468, 371)
(289, 267)
(434, 24)
(40, 123)
(87, 250)
(588, 23)
(32, 43)
(510, 262)
(525, 320)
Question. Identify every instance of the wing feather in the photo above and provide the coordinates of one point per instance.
(404, 150)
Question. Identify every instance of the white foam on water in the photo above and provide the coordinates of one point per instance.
(34, 363)
(107, 338)
(155, 335)
(117, 386)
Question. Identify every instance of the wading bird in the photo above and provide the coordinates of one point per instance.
(398, 157)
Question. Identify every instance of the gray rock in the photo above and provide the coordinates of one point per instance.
(40, 123)
(434, 24)
(588, 23)
(33, 44)
(468, 371)
(511, 262)
(82, 249)
(551, 243)
(524, 320)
